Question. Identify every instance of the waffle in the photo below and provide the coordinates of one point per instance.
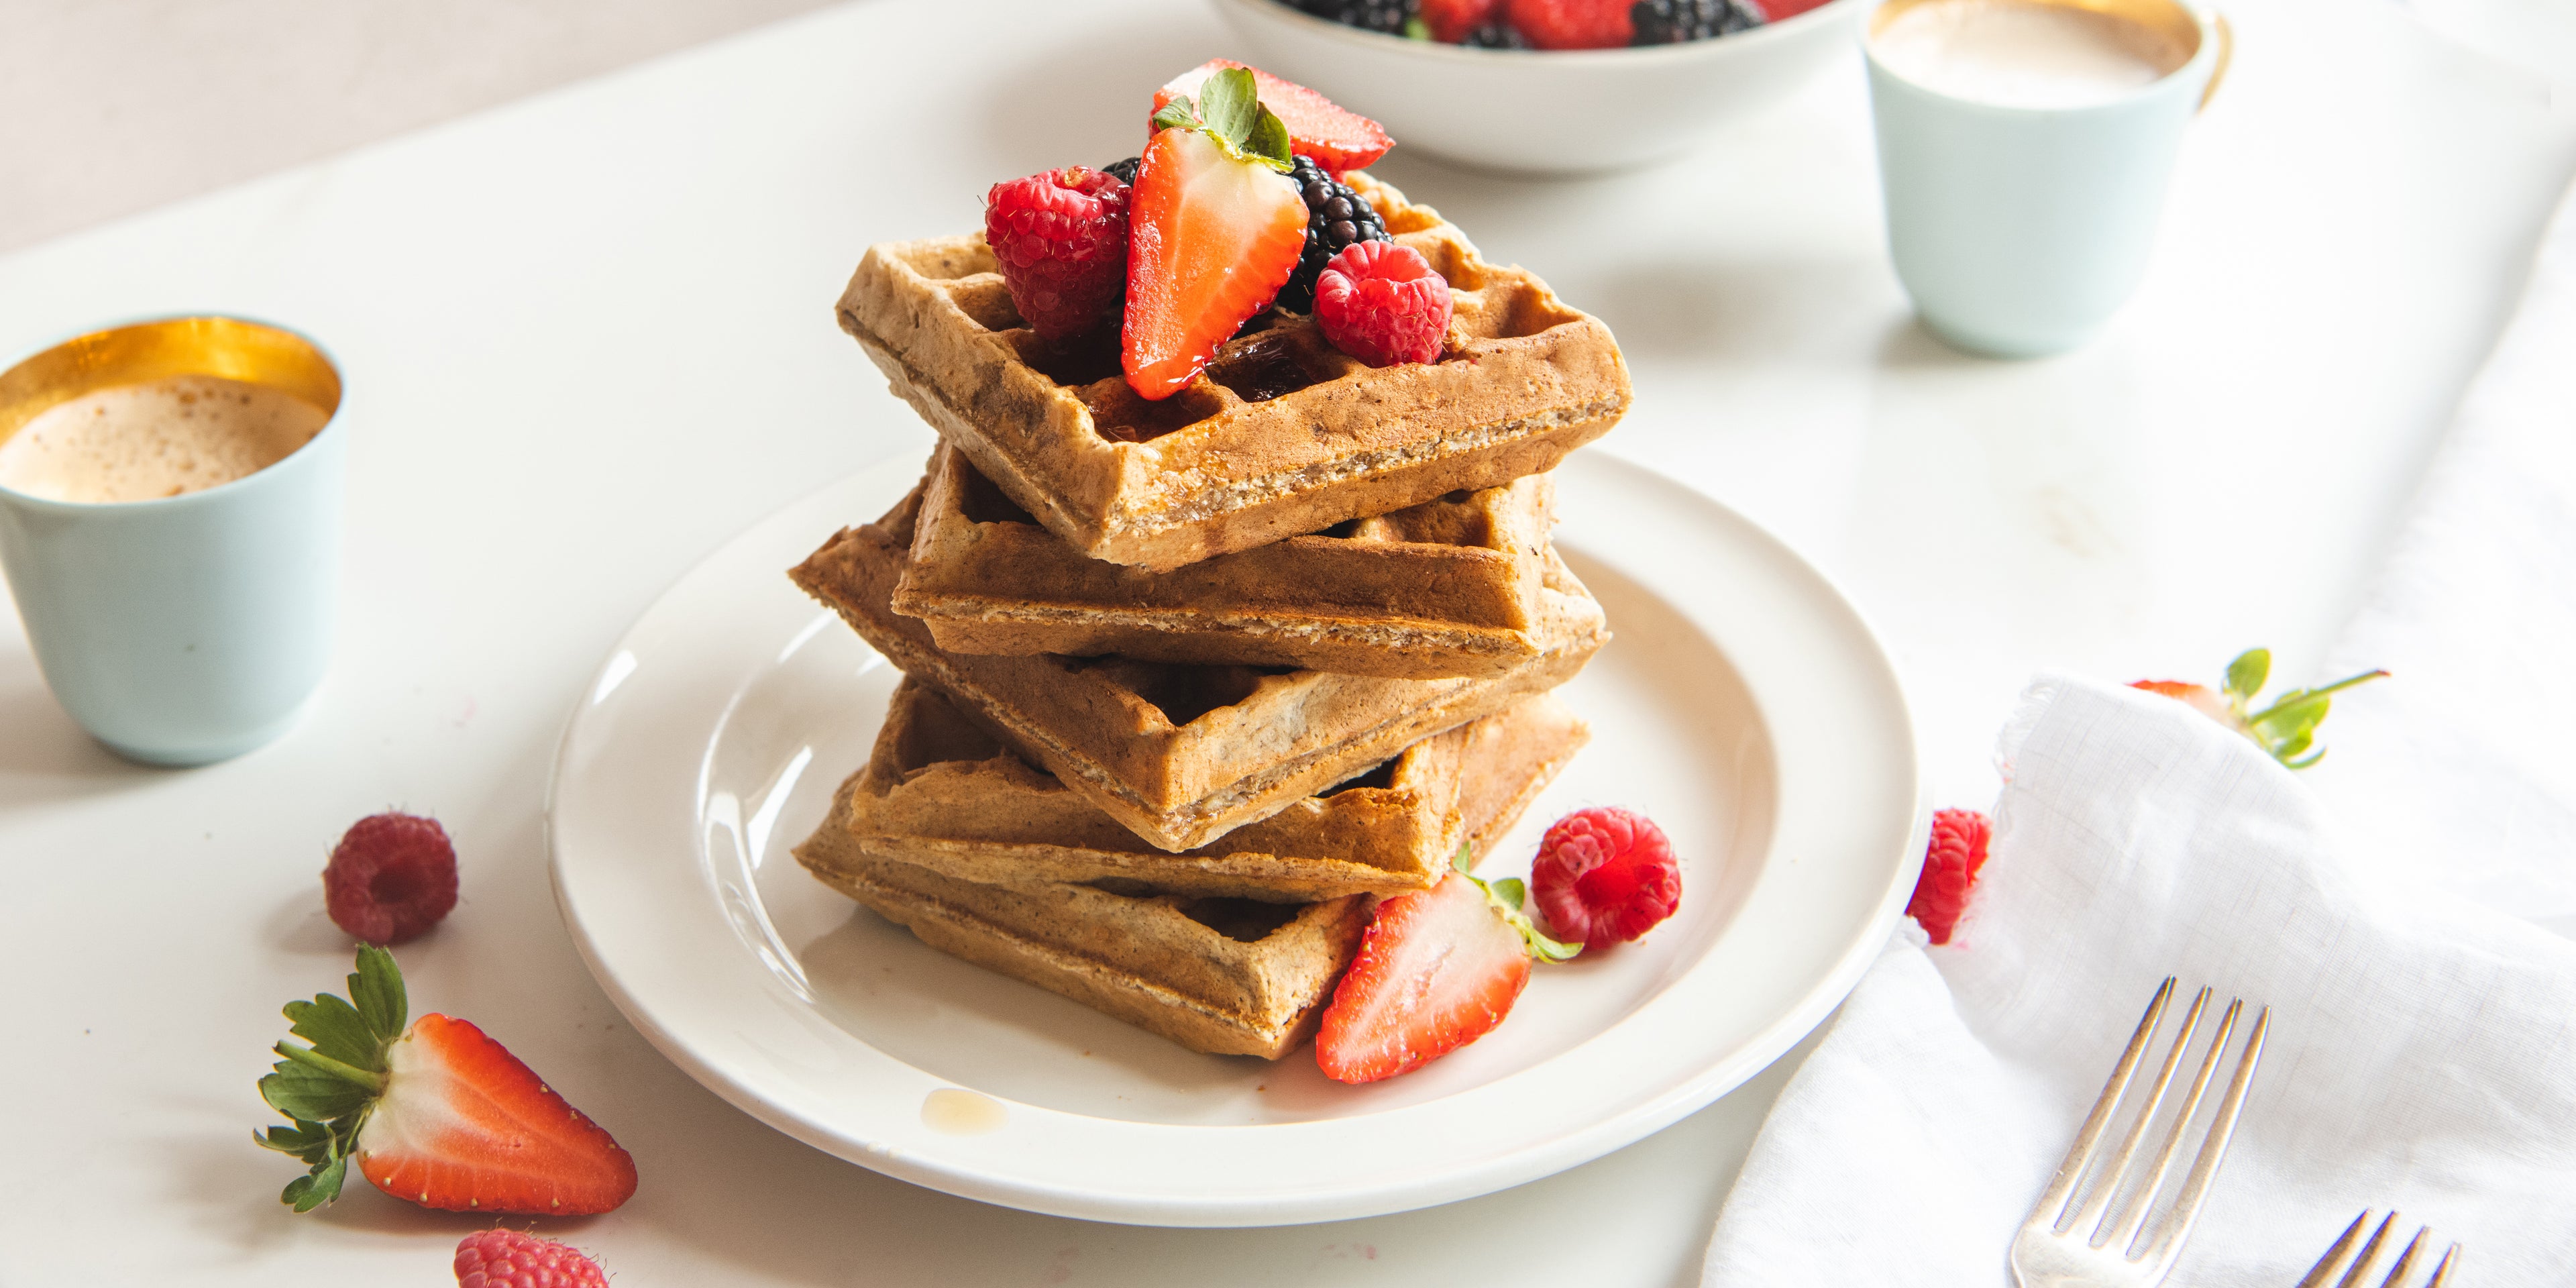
(1446, 588)
(1281, 435)
(941, 793)
(1180, 755)
(1221, 975)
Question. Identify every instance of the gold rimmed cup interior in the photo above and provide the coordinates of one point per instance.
(146, 351)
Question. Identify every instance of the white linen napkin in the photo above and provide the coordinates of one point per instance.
(2422, 1050)
(2460, 767)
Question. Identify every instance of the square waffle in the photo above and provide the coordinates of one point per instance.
(940, 792)
(1281, 435)
(1223, 975)
(1448, 587)
(1181, 755)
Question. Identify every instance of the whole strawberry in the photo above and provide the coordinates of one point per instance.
(2287, 728)
(1381, 303)
(1573, 24)
(436, 1113)
(1958, 850)
(391, 878)
(509, 1259)
(1062, 239)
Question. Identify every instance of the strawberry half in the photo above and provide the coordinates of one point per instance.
(1214, 230)
(1436, 971)
(1339, 139)
(439, 1115)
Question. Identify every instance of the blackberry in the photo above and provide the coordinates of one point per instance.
(1367, 15)
(1496, 35)
(1336, 217)
(1125, 170)
(1667, 22)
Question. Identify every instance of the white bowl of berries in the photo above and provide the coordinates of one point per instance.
(1548, 86)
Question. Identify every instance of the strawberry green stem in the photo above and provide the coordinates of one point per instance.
(2302, 695)
(372, 1081)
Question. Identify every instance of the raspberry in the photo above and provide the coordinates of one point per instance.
(1062, 240)
(1574, 24)
(1605, 876)
(509, 1259)
(1959, 838)
(391, 877)
(1452, 21)
(1380, 303)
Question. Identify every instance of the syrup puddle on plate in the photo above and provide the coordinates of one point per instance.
(960, 1112)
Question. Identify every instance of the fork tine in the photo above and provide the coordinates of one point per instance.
(2369, 1253)
(2442, 1272)
(2406, 1259)
(2185, 1212)
(2106, 1179)
(2333, 1260)
(2143, 1199)
(2052, 1201)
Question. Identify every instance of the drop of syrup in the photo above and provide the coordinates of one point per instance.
(960, 1112)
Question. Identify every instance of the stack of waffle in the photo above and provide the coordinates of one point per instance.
(1190, 684)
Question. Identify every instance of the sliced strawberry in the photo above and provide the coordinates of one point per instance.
(463, 1125)
(1214, 230)
(1436, 971)
(440, 1115)
(1339, 139)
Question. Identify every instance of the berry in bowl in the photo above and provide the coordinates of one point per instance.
(1526, 86)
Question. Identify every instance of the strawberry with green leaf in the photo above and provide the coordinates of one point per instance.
(1214, 230)
(2287, 728)
(1437, 970)
(434, 1113)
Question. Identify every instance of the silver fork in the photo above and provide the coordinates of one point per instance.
(2067, 1245)
(2359, 1275)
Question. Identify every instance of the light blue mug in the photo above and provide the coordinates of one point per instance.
(2020, 230)
(191, 628)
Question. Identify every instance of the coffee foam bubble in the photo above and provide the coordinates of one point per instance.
(159, 439)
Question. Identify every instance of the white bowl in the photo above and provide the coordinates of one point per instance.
(1535, 112)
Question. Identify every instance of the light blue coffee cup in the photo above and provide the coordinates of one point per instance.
(193, 628)
(2020, 231)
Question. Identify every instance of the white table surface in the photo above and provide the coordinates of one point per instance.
(587, 338)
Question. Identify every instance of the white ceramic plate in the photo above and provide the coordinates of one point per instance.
(1743, 705)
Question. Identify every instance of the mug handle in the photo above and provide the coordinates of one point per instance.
(2226, 55)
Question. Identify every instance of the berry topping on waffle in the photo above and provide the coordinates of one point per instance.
(1061, 237)
(1215, 231)
(1339, 139)
(1382, 304)
(1336, 219)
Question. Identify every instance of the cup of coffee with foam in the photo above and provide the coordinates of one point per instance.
(170, 499)
(2024, 147)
